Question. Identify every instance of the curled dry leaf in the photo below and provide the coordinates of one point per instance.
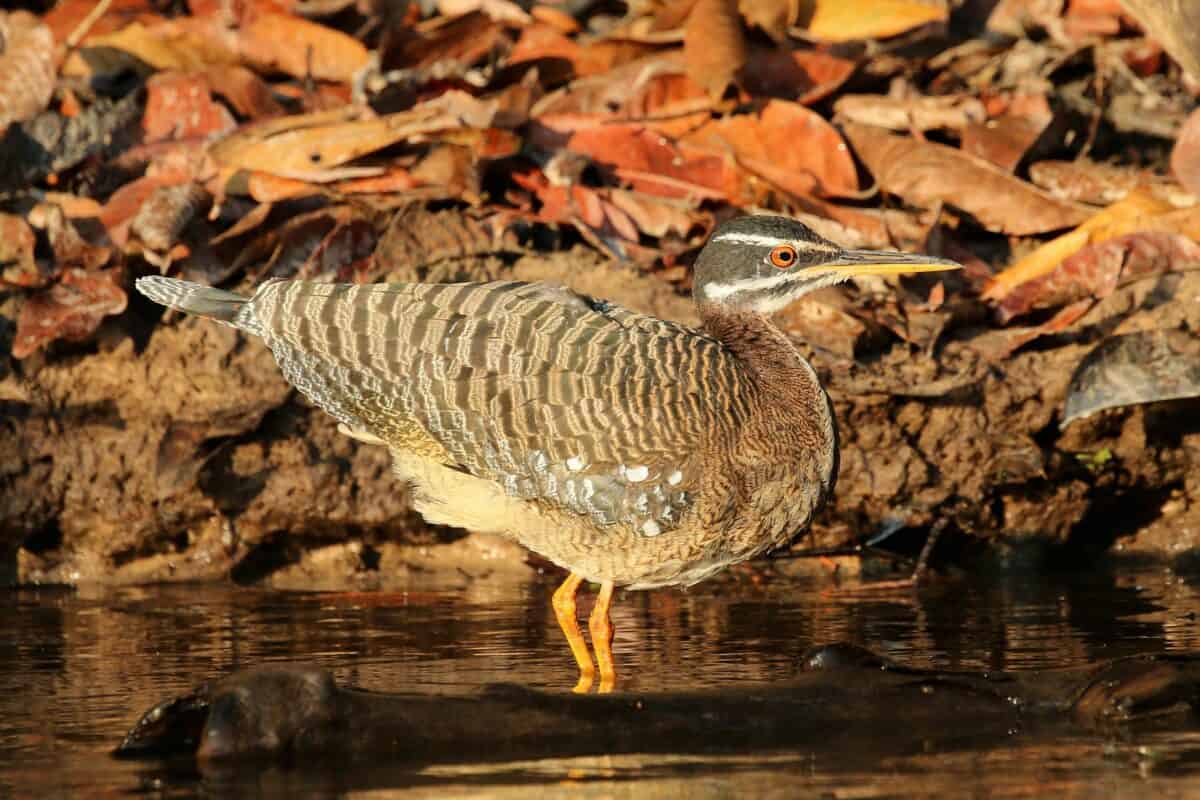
(926, 173)
(26, 66)
(1095, 271)
(951, 112)
(70, 309)
(842, 21)
(179, 106)
(714, 45)
(790, 146)
(1131, 214)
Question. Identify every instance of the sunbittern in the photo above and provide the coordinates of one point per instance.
(629, 450)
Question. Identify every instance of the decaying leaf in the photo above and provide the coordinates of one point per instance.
(842, 21)
(714, 45)
(70, 309)
(26, 66)
(179, 106)
(1131, 214)
(1136, 368)
(1097, 270)
(927, 173)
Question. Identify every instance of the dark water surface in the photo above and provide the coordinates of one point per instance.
(77, 668)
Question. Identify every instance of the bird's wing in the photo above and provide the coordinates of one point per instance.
(552, 394)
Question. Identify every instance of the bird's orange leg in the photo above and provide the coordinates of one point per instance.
(600, 624)
(564, 609)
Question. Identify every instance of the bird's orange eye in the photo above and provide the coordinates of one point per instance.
(784, 256)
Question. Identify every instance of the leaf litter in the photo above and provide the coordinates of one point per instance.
(1053, 148)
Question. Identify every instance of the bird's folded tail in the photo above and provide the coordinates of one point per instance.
(204, 301)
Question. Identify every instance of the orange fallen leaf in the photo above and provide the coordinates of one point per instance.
(166, 45)
(844, 21)
(791, 146)
(1125, 216)
(805, 76)
(714, 45)
(298, 47)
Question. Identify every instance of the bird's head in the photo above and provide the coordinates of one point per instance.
(762, 264)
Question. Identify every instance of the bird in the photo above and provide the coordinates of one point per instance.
(630, 450)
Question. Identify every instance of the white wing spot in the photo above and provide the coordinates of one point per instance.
(651, 528)
(675, 477)
(574, 463)
(636, 474)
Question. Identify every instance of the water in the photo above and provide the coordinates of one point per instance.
(77, 668)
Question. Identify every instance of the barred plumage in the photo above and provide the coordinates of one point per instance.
(629, 449)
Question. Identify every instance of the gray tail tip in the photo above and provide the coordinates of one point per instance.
(193, 298)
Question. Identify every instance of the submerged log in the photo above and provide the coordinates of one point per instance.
(841, 696)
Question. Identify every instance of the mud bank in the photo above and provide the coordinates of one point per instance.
(173, 449)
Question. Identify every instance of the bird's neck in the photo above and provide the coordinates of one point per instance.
(785, 383)
(766, 352)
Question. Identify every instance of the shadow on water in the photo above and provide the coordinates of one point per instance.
(77, 668)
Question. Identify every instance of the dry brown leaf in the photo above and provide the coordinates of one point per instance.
(166, 45)
(952, 112)
(70, 309)
(26, 66)
(789, 145)
(1096, 270)
(298, 47)
(805, 76)
(1003, 141)
(312, 146)
(67, 15)
(844, 21)
(645, 159)
(714, 45)
(500, 10)
(249, 94)
(1133, 213)
(179, 106)
(926, 173)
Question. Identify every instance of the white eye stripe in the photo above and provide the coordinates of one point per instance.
(719, 291)
(757, 239)
(762, 240)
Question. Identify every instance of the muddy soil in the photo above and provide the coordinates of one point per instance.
(173, 449)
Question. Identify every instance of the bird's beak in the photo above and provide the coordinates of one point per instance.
(870, 262)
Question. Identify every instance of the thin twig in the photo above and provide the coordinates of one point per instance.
(81, 30)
